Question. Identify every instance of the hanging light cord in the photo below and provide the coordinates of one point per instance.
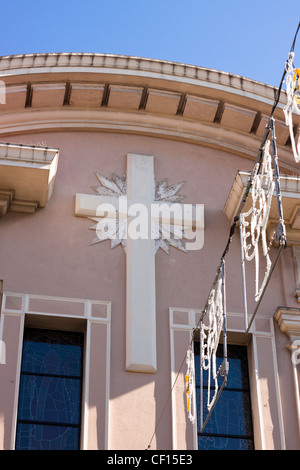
(260, 152)
(232, 230)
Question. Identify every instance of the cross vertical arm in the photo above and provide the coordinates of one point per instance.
(140, 273)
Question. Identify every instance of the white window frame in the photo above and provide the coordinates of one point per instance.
(86, 310)
(183, 322)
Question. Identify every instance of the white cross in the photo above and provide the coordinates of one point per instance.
(140, 255)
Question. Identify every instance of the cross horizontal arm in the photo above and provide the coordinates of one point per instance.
(89, 205)
(183, 215)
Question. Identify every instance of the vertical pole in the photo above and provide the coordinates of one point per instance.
(243, 277)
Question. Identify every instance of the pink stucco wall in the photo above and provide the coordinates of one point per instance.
(48, 253)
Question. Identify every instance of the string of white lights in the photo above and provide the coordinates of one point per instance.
(293, 102)
(259, 213)
(254, 231)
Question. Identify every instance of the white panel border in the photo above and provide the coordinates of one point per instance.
(86, 315)
(189, 326)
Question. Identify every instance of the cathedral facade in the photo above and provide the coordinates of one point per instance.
(121, 179)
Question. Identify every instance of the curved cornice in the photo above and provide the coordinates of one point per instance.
(25, 64)
(103, 92)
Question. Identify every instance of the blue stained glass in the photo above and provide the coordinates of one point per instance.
(230, 425)
(50, 391)
(223, 443)
(237, 358)
(45, 355)
(52, 399)
(229, 414)
(44, 437)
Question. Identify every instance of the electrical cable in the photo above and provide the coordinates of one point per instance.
(232, 228)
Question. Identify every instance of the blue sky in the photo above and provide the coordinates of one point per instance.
(248, 38)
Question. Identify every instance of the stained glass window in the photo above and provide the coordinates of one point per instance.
(230, 424)
(49, 409)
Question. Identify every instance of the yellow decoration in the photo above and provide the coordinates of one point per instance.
(187, 392)
(296, 85)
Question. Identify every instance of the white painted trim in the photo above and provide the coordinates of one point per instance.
(297, 392)
(173, 375)
(17, 381)
(87, 315)
(107, 381)
(277, 385)
(87, 381)
(87, 306)
(288, 321)
(271, 336)
(144, 74)
(187, 328)
(259, 440)
(85, 417)
(27, 153)
(17, 376)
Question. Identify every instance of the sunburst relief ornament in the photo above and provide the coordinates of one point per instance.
(115, 229)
